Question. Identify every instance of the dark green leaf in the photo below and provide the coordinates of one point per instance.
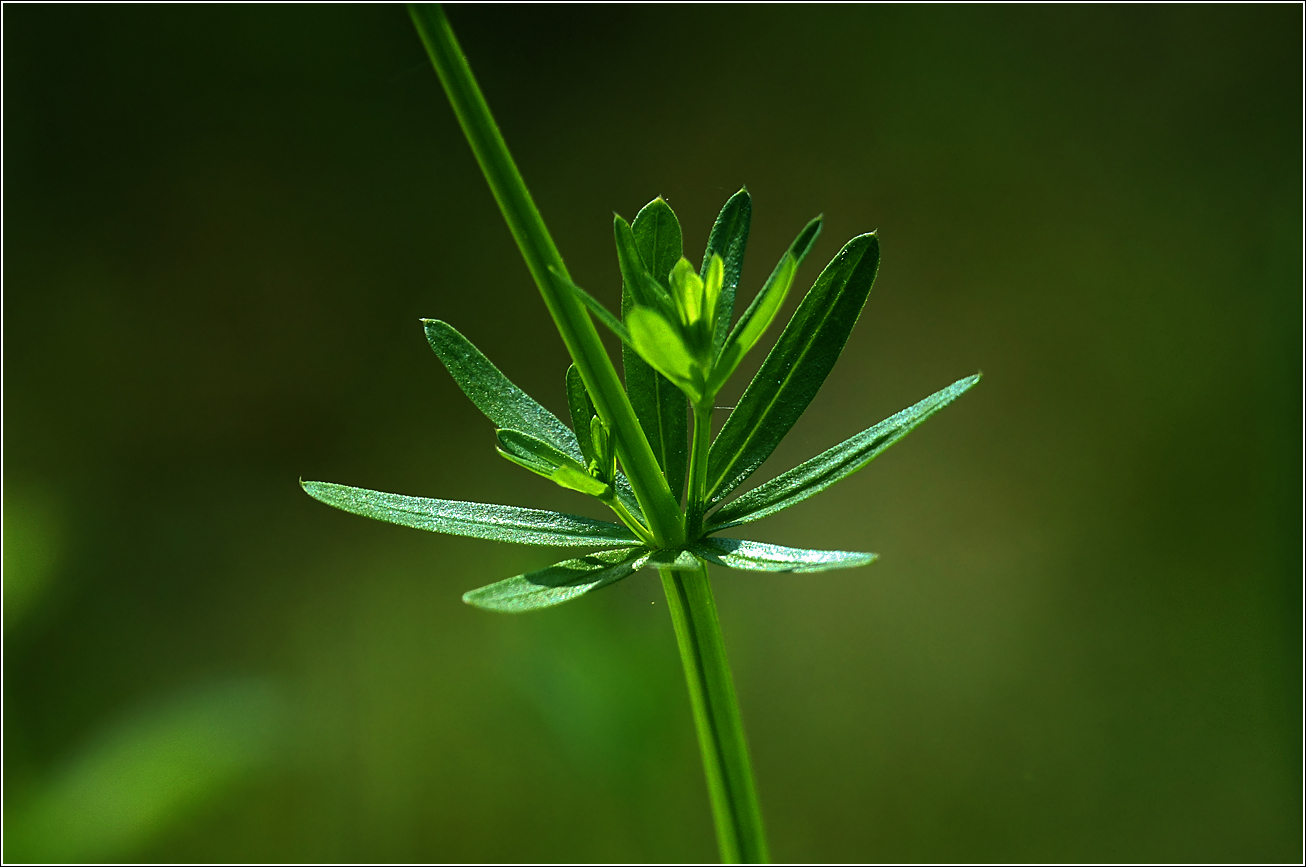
(558, 583)
(811, 477)
(505, 404)
(795, 368)
(659, 405)
(582, 411)
(478, 520)
(657, 237)
(540, 457)
(728, 238)
(761, 557)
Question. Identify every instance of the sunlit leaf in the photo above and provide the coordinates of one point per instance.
(504, 403)
(540, 457)
(660, 344)
(757, 317)
(813, 476)
(761, 557)
(795, 368)
(558, 583)
(478, 520)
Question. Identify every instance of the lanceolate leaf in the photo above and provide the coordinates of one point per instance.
(795, 368)
(767, 301)
(595, 307)
(505, 404)
(659, 405)
(728, 239)
(540, 457)
(811, 477)
(582, 410)
(478, 520)
(558, 583)
(761, 557)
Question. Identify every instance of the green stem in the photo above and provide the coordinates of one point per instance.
(537, 247)
(630, 521)
(695, 502)
(735, 809)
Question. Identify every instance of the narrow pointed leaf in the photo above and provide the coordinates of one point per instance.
(595, 307)
(728, 238)
(755, 320)
(478, 520)
(795, 368)
(504, 403)
(558, 583)
(811, 477)
(646, 290)
(542, 458)
(767, 302)
(659, 343)
(761, 557)
(582, 412)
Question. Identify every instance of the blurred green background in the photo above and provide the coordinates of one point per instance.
(1082, 642)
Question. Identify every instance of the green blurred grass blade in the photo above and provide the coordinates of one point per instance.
(762, 557)
(540, 457)
(558, 583)
(728, 238)
(795, 368)
(813, 476)
(142, 778)
(493, 393)
(477, 520)
(582, 411)
(659, 405)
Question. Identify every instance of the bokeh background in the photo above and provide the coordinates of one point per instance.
(1082, 642)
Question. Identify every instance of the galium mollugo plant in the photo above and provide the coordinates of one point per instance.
(632, 448)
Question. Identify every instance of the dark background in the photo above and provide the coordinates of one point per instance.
(1082, 642)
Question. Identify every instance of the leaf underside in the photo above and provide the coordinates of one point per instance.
(477, 520)
(795, 368)
(558, 583)
(763, 557)
(815, 475)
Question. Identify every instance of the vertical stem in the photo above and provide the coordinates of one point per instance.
(735, 809)
(660, 507)
(695, 503)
